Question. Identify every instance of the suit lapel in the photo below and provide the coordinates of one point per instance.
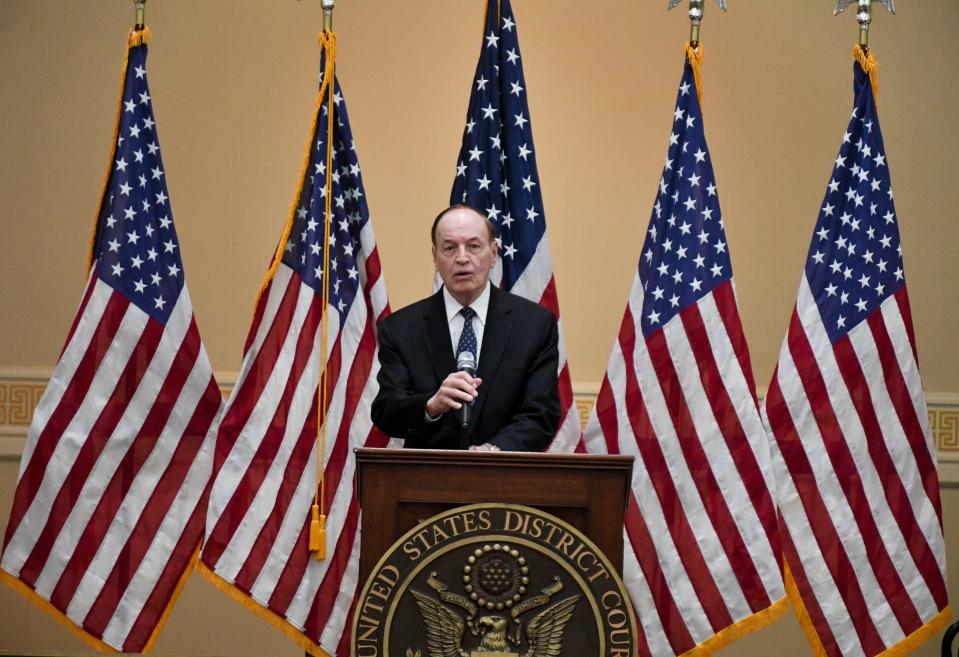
(496, 333)
(437, 337)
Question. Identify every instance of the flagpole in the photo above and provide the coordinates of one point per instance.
(696, 8)
(140, 11)
(328, 15)
(864, 16)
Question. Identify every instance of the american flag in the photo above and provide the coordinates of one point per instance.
(701, 554)
(265, 466)
(496, 173)
(856, 469)
(108, 511)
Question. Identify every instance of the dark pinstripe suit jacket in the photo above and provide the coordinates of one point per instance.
(517, 407)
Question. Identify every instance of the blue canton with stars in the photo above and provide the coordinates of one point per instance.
(136, 247)
(855, 259)
(349, 212)
(685, 255)
(496, 169)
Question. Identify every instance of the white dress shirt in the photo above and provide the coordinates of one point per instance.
(457, 321)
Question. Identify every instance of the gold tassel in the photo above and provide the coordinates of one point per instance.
(870, 67)
(695, 57)
(318, 534)
(138, 37)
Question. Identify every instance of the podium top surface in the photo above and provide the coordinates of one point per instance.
(455, 457)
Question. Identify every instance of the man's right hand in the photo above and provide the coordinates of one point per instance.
(457, 388)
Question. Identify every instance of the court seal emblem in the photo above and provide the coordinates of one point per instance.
(493, 580)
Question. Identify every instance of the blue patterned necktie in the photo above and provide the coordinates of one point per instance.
(467, 337)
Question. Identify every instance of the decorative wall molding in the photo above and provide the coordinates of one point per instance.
(21, 389)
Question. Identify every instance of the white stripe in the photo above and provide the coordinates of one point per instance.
(724, 470)
(296, 513)
(677, 579)
(73, 353)
(903, 459)
(251, 434)
(833, 497)
(134, 502)
(638, 588)
(158, 555)
(899, 336)
(593, 437)
(741, 393)
(538, 273)
(330, 637)
(568, 435)
(686, 489)
(117, 445)
(258, 512)
(74, 436)
(281, 280)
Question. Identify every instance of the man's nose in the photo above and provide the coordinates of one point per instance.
(461, 254)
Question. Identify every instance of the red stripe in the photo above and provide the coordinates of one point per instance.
(905, 311)
(809, 600)
(895, 493)
(244, 398)
(893, 487)
(720, 517)
(73, 396)
(127, 470)
(728, 310)
(161, 595)
(87, 293)
(651, 452)
(549, 298)
(606, 415)
(325, 599)
(270, 532)
(901, 398)
(744, 460)
(257, 316)
(233, 428)
(833, 553)
(373, 272)
(843, 463)
(94, 444)
(669, 616)
(168, 488)
(346, 637)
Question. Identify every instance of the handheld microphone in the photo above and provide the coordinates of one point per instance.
(466, 362)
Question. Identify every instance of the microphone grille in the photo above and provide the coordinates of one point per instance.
(466, 359)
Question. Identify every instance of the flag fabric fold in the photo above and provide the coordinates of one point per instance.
(496, 173)
(108, 511)
(701, 541)
(265, 469)
(846, 415)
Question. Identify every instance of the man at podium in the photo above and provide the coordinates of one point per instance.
(472, 366)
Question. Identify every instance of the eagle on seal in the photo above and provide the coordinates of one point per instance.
(444, 629)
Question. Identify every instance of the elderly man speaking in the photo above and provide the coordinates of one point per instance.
(471, 366)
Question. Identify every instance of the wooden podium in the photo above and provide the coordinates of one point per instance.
(398, 488)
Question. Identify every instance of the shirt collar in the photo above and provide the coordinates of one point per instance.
(480, 306)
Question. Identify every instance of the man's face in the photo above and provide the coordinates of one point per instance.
(464, 254)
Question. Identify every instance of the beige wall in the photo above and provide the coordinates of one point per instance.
(233, 84)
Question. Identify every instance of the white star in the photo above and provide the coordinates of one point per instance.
(117, 269)
(510, 251)
(125, 189)
(159, 303)
(169, 246)
(165, 221)
(352, 273)
(144, 98)
(121, 164)
(508, 23)
(134, 131)
(863, 280)
(831, 290)
(521, 120)
(817, 257)
(833, 185)
(132, 237)
(155, 278)
(148, 123)
(827, 209)
(658, 292)
(161, 197)
(140, 72)
(653, 317)
(716, 270)
(475, 154)
(129, 106)
(460, 169)
(678, 114)
(528, 183)
(674, 300)
(492, 40)
(136, 262)
(840, 161)
(720, 246)
(153, 148)
(684, 88)
(481, 83)
(694, 180)
(841, 322)
(488, 111)
(690, 203)
(531, 214)
(138, 155)
(861, 305)
(114, 245)
(483, 182)
(690, 120)
(524, 151)
(515, 88)
(511, 56)
(156, 173)
(879, 159)
(711, 189)
(700, 155)
(173, 269)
